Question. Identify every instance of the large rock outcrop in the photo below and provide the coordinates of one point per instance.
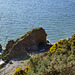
(29, 42)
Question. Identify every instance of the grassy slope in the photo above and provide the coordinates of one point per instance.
(60, 60)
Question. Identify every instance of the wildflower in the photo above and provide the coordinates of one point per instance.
(19, 71)
(52, 49)
(60, 42)
(27, 68)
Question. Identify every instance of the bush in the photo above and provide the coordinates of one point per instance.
(19, 71)
(73, 37)
(57, 45)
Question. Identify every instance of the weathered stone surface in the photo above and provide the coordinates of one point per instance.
(29, 42)
(8, 47)
(10, 44)
(0, 47)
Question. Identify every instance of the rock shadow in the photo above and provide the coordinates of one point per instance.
(21, 57)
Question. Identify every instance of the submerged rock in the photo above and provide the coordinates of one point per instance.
(31, 41)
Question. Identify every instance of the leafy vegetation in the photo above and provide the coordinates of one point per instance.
(60, 60)
(21, 71)
(2, 65)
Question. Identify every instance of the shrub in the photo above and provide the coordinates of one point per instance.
(53, 48)
(60, 42)
(73, 50)
(73, 37)
(27, 69)
(57, 45)
(19, 71)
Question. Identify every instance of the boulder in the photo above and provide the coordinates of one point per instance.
(0, 47)
(29, 42)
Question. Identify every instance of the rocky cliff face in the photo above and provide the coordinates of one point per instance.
(29, 42)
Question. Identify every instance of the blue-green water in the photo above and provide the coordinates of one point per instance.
(17, 17)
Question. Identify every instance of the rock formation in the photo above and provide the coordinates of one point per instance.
(0, 47)
(31, 41)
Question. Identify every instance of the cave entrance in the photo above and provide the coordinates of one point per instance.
(40, 46)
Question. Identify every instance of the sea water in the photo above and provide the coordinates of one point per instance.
(17, 17)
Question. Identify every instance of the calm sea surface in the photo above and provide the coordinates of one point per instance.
(17, 17)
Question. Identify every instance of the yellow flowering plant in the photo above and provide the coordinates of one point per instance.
(27, 68)
(57, 45)
(19, 71)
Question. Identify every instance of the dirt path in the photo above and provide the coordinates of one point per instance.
(21, 61)
(12, 65)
